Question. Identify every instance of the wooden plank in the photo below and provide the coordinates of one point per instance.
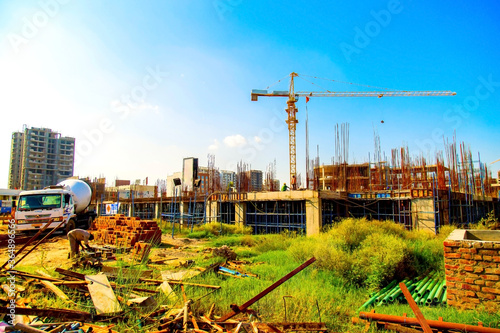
(55, 290)
(102, 294)
(416, 310)
(72, 274)
(52, 287)
(168, 291)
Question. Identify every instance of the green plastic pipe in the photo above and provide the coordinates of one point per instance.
(444, 300)
(439, 292)
(386, 289)
(432, 291)
(423, 289)
(422, 282)
(374, 297)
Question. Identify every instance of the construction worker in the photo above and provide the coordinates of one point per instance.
(76, 237)
(284, 187)
(294, 183)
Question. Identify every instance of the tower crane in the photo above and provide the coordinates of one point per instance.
(293, 97)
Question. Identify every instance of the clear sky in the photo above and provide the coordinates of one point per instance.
(143, 84)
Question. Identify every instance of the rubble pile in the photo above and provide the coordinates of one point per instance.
(124, 231)
(225, 252)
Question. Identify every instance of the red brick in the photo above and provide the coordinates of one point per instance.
(468, 268)
(470, 294)
(491, 290)
(496, 246)
(491, 277)
(466, 286)
(488, 252)
(478, 245)
(487, 245)
(486, 296)
(487, 264)
(491, 284)
(450, 284)
(451, 266)
(452, 261)
(471, 275)
(496, 258)
(453, 255)
(492, 271)
(477, 257)
(467, 262)
(487, 258)
(479, 282)
(451, 243)
(453, 278)
(478, 269)
(471, 300)
(448, 249)
(466, 255)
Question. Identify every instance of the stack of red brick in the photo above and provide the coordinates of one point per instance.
(125, 231)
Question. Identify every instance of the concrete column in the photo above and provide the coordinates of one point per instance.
(314, 219)
(211, 211)
(240, 209)
(130, 206)
(157, 209)
(183, 209)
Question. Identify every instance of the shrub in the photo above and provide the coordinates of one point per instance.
(220, 229)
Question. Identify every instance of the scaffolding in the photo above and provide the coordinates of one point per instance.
(276, 216)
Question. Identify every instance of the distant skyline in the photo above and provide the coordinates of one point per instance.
(142, 85)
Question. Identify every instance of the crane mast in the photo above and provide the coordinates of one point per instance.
(292, 110)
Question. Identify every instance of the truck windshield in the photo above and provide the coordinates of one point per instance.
(39, 201)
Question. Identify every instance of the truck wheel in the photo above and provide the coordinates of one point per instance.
(89, 222)
(70, 225)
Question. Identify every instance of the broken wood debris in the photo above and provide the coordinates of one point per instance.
(102, 294)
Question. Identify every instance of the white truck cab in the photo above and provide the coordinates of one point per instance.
(65, 202)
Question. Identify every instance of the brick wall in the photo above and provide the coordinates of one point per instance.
(472, 267)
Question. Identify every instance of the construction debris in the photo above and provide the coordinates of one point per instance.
(102, 294)
(224, 252)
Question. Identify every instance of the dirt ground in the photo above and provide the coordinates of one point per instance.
(54, 253)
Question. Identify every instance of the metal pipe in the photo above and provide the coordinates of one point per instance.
(437, 324)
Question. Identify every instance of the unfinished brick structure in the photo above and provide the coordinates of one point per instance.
(125, 231)
(472, 266)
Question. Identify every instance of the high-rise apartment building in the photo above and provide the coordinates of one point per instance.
(40, 157)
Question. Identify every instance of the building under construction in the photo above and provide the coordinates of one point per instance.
(413, 192)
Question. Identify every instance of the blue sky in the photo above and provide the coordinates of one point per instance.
(141, 85)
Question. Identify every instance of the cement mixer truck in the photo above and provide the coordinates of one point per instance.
(65, 202)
